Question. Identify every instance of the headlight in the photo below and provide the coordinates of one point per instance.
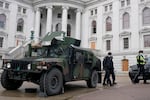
(29, 66)
(8, 65)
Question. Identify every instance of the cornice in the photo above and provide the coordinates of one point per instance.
(79, 3)
(83, 3)
(93, 2)
(29, 2)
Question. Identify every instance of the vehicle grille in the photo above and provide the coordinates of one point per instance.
(19, 65)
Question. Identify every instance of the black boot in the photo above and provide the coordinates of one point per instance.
(109, 82)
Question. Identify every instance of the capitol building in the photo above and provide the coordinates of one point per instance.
(118, 26)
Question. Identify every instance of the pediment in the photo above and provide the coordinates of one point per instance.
(93, 39)
(145, 30)
(107, 36)
(125, 33)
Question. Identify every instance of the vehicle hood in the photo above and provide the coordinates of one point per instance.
(135, 67)
(40, 59)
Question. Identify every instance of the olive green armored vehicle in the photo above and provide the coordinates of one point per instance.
(52, 64)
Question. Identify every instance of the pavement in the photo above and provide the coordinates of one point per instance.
(124, 90)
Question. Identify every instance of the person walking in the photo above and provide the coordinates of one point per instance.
(140, 63)
(109, 69)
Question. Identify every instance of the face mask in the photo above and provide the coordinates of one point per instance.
(141, 53)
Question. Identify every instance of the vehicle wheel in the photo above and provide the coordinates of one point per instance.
(9, 84)
(132, 78)
(54, 82)
(92, 82)
(42, 82)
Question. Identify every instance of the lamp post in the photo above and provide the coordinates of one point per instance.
(31, 38)
(32, 35)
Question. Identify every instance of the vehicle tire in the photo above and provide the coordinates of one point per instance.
(92, 82)
(9, 84)
(42, 82)
(54, 82)
(131, 75)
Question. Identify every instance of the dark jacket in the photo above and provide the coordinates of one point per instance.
(108, 63)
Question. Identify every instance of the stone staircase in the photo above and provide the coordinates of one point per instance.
(17, 52)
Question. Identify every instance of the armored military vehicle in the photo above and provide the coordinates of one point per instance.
(52, 64)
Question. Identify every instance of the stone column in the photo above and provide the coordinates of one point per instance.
(37, 25)
(49, 19)
(78, 24)
(64, 18)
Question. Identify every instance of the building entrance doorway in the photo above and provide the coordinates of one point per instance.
(125, 64)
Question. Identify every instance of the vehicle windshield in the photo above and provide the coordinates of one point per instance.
(47, 52)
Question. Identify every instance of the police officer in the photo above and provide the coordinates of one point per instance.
(140, 63)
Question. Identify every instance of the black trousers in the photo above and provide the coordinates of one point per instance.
(107, 77)
(141, 70)
(112, 73)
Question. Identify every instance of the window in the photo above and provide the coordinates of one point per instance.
(108, 45)
(106, 8)
(69, 16)
(19, 9)
(128, 2)
(126, 43)
(1, 4)
(68, 30)
(146, 16)
(91, 12)
(6, 5)
(108, 24)
(122, 3)
(20, 25)
(2, 21)
(58, 27)
(1, 41)
(95, 11)
(110, 7)
(94, 26)
(126, 21)
(59, 15)
(24, 11)
(146, 40)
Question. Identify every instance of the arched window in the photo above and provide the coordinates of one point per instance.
(58, 27)
(2, 21)
(146, 16)
(20, 25)
(94, 26)
(126, 21)
(68, 30)
(108, 24)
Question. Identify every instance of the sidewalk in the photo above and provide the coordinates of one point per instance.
(124, 90)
